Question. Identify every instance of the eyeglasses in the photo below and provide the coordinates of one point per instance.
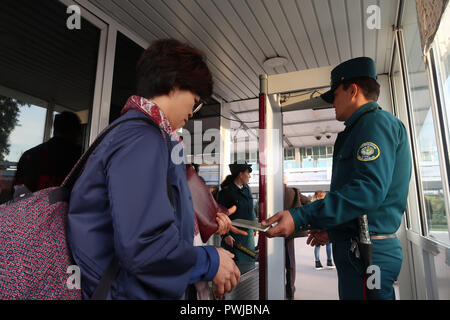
(197, 106)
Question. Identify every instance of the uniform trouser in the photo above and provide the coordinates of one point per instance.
(387, 255)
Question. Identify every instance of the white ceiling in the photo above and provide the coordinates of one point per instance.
(238, 35)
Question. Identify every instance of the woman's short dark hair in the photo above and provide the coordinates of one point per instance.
(369, 87)
(168, 64)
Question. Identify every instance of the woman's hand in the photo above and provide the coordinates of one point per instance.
(225, 225)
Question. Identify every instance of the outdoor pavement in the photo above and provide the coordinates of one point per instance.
(312, 284)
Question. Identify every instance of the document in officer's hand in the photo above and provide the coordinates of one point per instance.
(255, 225)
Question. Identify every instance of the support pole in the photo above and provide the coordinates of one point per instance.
(262, 186)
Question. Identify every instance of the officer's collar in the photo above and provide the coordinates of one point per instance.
(244, 186)
(239, 187)
(362, 110)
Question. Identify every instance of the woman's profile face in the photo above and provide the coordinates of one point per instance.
(181, 107)
(245, 176)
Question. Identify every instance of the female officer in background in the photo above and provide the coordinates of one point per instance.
(235, 191)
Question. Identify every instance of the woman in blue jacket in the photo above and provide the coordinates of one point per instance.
(120, 205)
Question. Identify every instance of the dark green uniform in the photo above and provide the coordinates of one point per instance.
(371, 173)
(243, 200)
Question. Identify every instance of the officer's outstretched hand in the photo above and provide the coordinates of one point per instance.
(285, 226)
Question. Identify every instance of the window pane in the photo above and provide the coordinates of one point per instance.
(402, 114)
(330, 150)
(44, 65)
(429, 166)
(316, 151)
(442, 48)
(124, 79)
(15, 139)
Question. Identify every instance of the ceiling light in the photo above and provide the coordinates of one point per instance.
(275, 62)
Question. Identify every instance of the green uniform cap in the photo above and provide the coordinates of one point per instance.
(238, 167)
(354, 68)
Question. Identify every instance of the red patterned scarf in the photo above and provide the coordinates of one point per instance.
(152, 111)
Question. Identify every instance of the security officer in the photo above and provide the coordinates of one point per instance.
(371, 173)
(235, 191)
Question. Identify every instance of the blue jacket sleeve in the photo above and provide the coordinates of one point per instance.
(147, 239)
(207, 264)
(367, 187)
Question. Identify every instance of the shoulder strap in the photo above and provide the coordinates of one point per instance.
(69, 182)
(107, 280)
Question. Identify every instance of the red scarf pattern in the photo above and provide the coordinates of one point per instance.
(151, 110)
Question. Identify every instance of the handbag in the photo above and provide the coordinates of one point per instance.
(205, 206)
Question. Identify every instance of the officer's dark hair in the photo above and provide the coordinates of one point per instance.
(66, 123)
(168, 64)
(370, 87)
(228, 180)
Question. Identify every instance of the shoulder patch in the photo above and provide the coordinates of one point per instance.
(368, 151)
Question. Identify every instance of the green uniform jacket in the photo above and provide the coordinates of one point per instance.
(243, 200)
(371, 173)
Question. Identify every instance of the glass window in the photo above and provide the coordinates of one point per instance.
(424, 129)
(302, 152)
(401, 113)
(322, 151)
(442, 50)
(44, 67)
(330, 150)
(124, 79)
(322, 162)
(442, 54)
(22, 128)
(316, 151)
(308, 162)
(289, 154)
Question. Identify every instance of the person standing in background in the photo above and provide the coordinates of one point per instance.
(320, 195)
(48, 164)
(292, 199)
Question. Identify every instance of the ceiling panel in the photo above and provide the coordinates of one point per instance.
(41, 59)
(238, 35)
